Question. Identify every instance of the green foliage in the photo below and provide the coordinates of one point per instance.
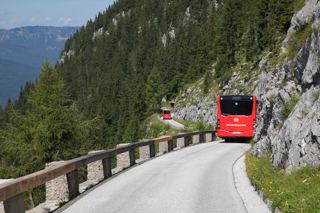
(316, 95)
(194, 125)
(280, 126)
(289, 105)
(124, 73)
(52, 129)
(298, 5)
(134, 131)
(296, 192)
(201, 125)
(190, 76)
(207, 82)
(154, 91)
(252, 142)
(297, 40)
(155, 130)
(158, 128)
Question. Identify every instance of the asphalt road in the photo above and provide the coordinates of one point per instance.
(174, 124)
(171, 122)
(195, 179)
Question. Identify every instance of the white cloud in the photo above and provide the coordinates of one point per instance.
(65, 20)
(40, 19)
(16, 20)
(3, 23)
(2, 12)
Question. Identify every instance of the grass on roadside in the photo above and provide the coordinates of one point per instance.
(296, 192)
(159, 128)
(194, 125)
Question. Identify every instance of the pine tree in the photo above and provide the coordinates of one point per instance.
(52, 130)
(226, 43)
(153, 90)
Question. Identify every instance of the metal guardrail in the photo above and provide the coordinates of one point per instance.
(12, 192)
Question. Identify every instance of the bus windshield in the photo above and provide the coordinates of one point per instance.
(167, 112)
(236, 107)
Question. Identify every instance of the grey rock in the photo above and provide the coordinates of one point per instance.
(293, 141)
(302, 59)
(296, 144)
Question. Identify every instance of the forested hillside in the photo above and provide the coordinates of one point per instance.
(22, 51)
(135, 53)
(115, 71)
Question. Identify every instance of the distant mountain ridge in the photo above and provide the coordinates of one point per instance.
(30, 45)
(22, 51)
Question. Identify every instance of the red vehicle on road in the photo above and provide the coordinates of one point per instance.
(166, 113)
(236, 116)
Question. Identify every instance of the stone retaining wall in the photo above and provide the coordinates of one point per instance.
(144, 152)
(195, 139)
(95, 169)
(123, 159)
(1, 203)
(180, 142)
(56, 188)
(163, 147)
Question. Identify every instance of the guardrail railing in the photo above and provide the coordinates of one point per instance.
(12, 192)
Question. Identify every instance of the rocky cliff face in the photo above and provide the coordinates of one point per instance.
(193, 107)
(293, 139)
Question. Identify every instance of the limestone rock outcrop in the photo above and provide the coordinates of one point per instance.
(293, 139)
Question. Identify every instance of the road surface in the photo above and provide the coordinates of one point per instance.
(195, 179)
(172, 122)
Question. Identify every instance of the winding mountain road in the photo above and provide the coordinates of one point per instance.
(171, 122)
(195, 179)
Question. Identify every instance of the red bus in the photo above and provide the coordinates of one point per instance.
(236, 116)
(166, 113)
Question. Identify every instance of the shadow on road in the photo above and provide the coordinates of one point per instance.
(236, 140)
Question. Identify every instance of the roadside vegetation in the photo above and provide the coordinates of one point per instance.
(156, 128)
(295, 192)
(289, 105)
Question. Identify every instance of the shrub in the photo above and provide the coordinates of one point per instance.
(280, 126)
(289, 106)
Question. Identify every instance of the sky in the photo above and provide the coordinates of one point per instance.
(58, 13)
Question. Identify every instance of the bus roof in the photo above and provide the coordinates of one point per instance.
(236, 97)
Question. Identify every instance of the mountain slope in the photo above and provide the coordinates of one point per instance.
(30, 45)
(14, 75)
(111, 64)
(289, 112)
(287, 85)
(22, 52)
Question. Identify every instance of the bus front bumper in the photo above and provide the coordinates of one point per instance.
(234, 134)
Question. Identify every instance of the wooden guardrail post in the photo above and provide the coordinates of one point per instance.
(73, 184)
(170, 145)
(201, 138)
(152, 149)
(107, 170)
(14, 204)
(213, 136)
(132, 157)
(186, 141)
